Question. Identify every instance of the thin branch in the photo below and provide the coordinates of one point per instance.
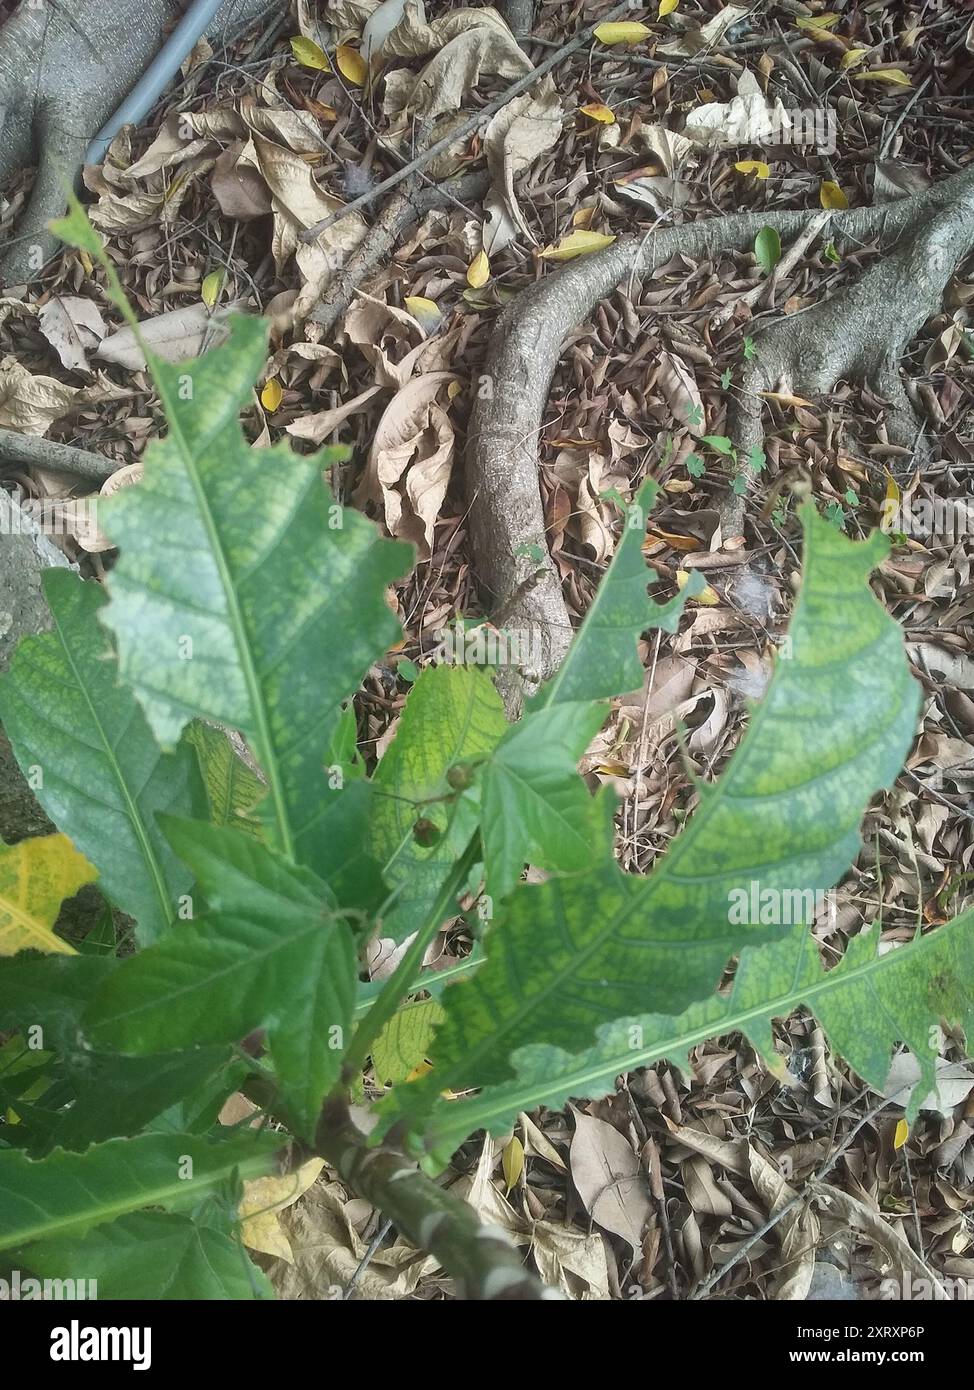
(469, 127)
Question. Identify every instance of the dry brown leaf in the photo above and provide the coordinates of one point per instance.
(239, 188)
(797, 1232)
(571, 1261)
(679, 386)
(72, 326)
(607, 1176)
(518, 134)
(322, 423)
(31, 404)
(175, 337)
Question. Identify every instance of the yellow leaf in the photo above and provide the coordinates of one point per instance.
(576, 244)
(478, 271)
(852, 58)
(309, 55)
(582, 217)
(419, 1071)
(757, 167)
(667, 7)
(707, 596)
(86, 261)
(597, 112)
(896, 77)
(263, 1198)
(272, 395)
(211, 287)
(35, 877)
(626, 31)
(901, 1135)
(351, 65)
(512, 1161)
(831, 195)
(817, 21)
(426, 312)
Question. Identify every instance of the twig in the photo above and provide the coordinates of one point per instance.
(363, 1263)
(798, 1200)
(468, 127)
(33, 451)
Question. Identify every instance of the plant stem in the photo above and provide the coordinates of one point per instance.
(484, 1261)
(401, 981)
(423, 979)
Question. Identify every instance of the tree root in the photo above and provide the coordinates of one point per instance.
(862, 330)
(64, 70)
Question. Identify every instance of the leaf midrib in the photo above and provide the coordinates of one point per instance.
(237, 626)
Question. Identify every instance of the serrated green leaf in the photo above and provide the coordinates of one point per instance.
(153, 1255)
(452, 716)
(243, 594)
(66, 1194)
(404, 1042)
(603, 659)
(116, 1096)
(270, 953)
(904, 993)
(101, 775)
(572, 954)
(535, 808)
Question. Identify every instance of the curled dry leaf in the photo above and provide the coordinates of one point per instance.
(748, 119)
(411, 458)
(317, 427)
(238, 187)
(81, 514)
(571, 1261)
(518, 134)
(31, 404)
(72, 326)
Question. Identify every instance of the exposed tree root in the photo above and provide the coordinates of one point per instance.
(64, 70)
(861, 332)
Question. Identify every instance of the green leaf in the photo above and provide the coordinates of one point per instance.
(269, 953)
(453, 716)
(719, 443)
(571, 954)
(405, 1041)
(232, 788)
(534, 806)
(65, 1194)
(903, 993)
(243, 594)
(767, 249)
(603, 659)
(84, 743)
(49, 993)
(153, 1255)
(121, 1095)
